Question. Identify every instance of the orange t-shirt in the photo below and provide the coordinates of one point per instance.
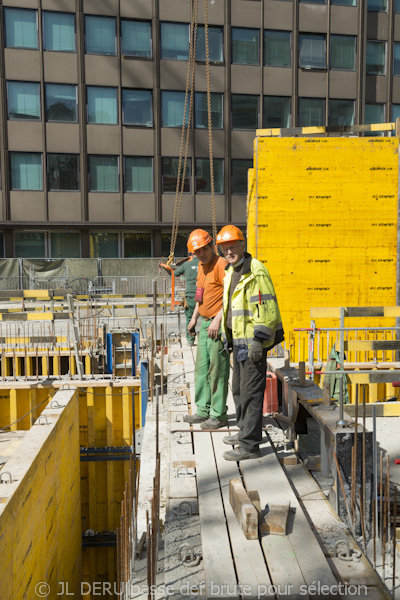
(210, 277)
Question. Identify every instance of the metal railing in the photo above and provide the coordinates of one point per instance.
(129, 285)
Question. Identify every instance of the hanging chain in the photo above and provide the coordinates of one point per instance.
(210, 144)
(180, 180)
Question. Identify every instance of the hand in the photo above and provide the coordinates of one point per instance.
(255, 350)
(192, 326)
(213, 328)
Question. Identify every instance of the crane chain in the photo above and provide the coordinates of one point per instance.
(180, 180)
(209, 115)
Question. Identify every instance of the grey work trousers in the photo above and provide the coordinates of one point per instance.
(248, 387)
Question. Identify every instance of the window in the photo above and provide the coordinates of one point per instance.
(23, 100)
(377, 5)
(136, 38)
(244, 111)
(59, 31)
(374, 113)
(103, 245)
(201, 114)
(344, 2)
(397, 6)
(137, 245)
(172, 109)
(203, 177)
(312, 51)
(314, 1)
(63, 172)
(215, 44)
(311, 112)
(103, 173)
(276, 111)
(21, 29)
(169, 169)
(175, 41)
(343, 52)
(1, 245)
(277, 48)
(100, 35)
(396, 58)
(180, 246)
(30, 244)
(395, 111)
(138, 174)
(137, 108)
(376, 58)
(341, 112)
(245, 46)
(61, 102)
(65, 244)
(102, 105)
(239, 175)
(26, 171)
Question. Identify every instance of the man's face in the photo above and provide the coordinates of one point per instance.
(205, 254)
(233, 251)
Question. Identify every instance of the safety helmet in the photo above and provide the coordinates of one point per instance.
(229, 233)
(198, 239)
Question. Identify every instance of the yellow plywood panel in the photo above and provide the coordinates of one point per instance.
(322, 216)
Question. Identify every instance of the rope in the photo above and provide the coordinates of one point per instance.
(210, 145)
(180, 180)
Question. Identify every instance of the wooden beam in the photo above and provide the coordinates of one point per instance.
(243, 508)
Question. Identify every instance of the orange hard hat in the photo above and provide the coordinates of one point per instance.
(230, 233)
(198, 239)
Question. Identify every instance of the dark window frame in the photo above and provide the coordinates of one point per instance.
(78, 175)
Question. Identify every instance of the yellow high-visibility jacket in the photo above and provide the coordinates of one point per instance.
(255, 310)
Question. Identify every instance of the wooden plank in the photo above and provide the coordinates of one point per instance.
(214, 534)
(285, 555)
(250, 565)
(243, 508)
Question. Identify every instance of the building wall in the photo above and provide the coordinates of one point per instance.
(47, 212)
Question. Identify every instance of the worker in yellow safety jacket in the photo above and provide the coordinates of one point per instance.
(251, 325)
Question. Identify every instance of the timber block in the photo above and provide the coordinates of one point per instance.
(243, 508)
(275, 521)
(255, 499)
(287, 459)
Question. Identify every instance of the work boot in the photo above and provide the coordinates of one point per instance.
(240, 453)
(193, 419)
(232, 440)
(212, 423)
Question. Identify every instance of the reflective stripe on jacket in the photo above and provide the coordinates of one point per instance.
(255, 310)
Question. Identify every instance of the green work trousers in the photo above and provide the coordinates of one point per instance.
(211, 375)
(188, 313)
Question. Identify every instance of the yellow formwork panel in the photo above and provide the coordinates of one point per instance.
(40, 537)
(322, 216)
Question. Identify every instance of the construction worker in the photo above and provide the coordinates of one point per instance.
(251, 325)
(189, 269)
(212, 362)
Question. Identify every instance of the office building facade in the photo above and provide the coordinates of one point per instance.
(92, 95)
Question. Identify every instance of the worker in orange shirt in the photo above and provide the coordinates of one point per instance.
(212, 362)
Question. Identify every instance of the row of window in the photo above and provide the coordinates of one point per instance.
(63, 174)
(136, 40)
(114, 244)
(372, 5)
(137, 107)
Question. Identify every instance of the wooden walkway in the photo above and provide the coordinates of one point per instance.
(297, 565)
